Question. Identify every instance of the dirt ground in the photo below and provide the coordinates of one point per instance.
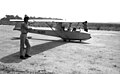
(50, 55)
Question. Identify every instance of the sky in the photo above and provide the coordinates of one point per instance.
(71, 10)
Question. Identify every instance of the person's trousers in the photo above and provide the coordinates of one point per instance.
(24, 42)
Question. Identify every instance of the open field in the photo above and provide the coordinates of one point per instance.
(50, 55)
(104, 26)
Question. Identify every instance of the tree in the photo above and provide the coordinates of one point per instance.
(8, 17)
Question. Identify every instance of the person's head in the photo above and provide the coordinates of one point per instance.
(26, 18)
(85, 22)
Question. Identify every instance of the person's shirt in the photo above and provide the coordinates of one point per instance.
(24, 28)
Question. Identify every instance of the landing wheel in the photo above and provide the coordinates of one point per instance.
(29, 37)
(64, 40)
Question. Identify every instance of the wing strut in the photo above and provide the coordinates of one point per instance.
(55, 32)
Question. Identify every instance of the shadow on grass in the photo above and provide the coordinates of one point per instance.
(14, 58)
(17, 38)
(72, 41)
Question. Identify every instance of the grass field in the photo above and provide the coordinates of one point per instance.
(104, 26)
(50, 55)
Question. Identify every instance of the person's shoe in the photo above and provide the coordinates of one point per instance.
(27, 56)
(22, 57)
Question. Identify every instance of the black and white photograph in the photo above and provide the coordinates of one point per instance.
(59, 37)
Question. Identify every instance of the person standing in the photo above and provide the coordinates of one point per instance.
(24, 51)
(85, 26)
(69, 27)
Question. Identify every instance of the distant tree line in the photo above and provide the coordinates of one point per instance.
(31, 17)
(8, 17)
